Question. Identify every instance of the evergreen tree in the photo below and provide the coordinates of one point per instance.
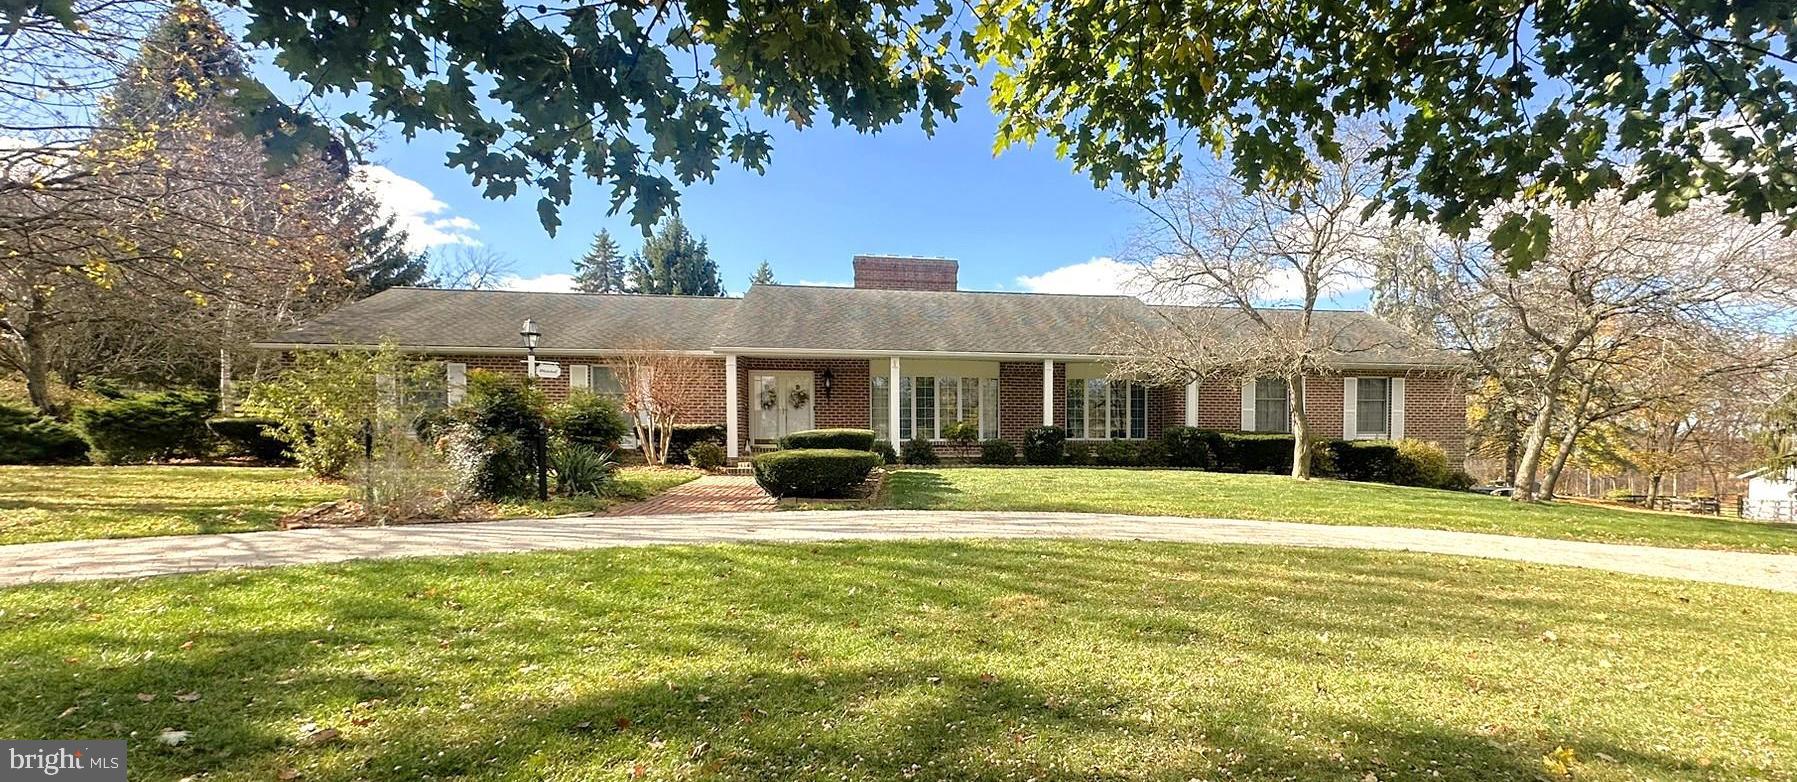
(601, 270)
(764, 275)
(673, 261)
(186, 63)
(381, 261)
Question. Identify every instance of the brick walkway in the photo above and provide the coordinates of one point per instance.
(710, 494)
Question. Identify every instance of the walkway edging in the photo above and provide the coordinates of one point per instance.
(137, 557)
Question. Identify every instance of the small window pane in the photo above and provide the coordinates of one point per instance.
(1076, 408)
(989, 407)
(926, 408)
(1098, 394)
(880, 397)
(1138, 411)
(1270, 413)
(948, 400)
(904, 409)
(1372, 406)
(970, 400)
(1119, 410)
(605, 382)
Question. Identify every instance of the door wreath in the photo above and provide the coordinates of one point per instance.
(769, 398)
(800, 397)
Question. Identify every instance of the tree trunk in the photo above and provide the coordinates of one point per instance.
(37, 370)
(1530, 465)
(1570, 440)
(1300, 429)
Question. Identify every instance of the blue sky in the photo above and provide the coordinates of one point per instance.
(828, 194)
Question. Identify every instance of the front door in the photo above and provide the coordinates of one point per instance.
(783, 404)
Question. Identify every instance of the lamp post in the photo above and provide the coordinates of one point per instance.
(531, 335)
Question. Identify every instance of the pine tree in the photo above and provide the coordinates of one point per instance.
(382, 261)
(764, 275)
(673, 261)
(601, 270)
(186, 63)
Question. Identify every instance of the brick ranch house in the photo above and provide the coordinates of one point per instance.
(904, 349)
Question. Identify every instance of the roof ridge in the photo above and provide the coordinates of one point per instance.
(912, 290)
(624, 294)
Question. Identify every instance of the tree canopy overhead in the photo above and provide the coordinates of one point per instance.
(1494, 109)
(1505, 105)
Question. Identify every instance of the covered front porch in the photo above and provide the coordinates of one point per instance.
(928, 395)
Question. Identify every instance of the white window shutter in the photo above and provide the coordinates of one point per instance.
(1248, 405)
(1350, 408)
(1397, 408)
(457, 387)
(580, 376)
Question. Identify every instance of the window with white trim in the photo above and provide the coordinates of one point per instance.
(928, 406)
(1102, 409)
(1372, 407)
(1272, 405)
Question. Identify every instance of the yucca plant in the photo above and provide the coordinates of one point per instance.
(580, 470)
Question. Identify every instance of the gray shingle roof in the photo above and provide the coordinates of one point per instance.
(426, 317)
(790, 318)
(786, 317)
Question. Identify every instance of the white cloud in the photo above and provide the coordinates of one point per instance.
(1098, 276)
(826, 283)
(1109, 276)
(544, 283)
(423, 216)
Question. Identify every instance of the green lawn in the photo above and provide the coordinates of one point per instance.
(927, 661)
(1222, 495)
(67, 503)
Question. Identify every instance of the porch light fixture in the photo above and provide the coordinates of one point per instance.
(828, 379)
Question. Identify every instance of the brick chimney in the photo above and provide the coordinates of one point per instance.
(893, 272)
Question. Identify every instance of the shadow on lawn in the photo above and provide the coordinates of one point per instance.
(913, 489)
(854, 661)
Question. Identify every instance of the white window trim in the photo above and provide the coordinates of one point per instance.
(908, 412)
(580, 376)
(456, 382)
(1394, 409)
(1129, 402)
(1251, 406)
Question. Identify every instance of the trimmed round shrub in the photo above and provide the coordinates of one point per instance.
(706, 455)
(145, 427)
(918, 450)
(591, 420)
(29, 438)
(852, 439)
(1044, 444)
(1151, 453)
(962, 432)
(1189, 446)
(814, 472)
(884, 449)
(996, 451)
(1420, 463)
(1076, 452)
(252, 437)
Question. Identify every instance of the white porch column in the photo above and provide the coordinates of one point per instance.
(892, 401)
(1048, 392)
(732, 409)
(1192, 403)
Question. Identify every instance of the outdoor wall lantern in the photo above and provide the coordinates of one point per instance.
(829, 378)
(532, 335)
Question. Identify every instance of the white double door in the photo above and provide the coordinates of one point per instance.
(783, 402)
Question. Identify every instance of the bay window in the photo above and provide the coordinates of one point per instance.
(1100, 409)
(928, 406)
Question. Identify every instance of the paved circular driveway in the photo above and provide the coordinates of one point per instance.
(94, 559)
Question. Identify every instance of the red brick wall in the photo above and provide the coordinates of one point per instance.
(1020, 398)
(707, 384)
(847, 405)
(1434, 407)
(910, 274)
